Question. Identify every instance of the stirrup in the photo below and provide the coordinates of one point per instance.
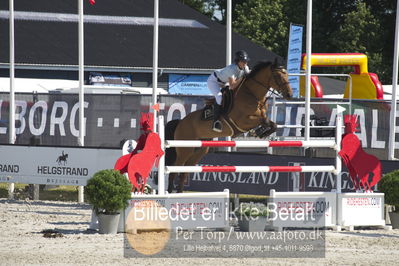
(217, 126)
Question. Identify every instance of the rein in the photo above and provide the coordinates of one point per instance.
(239, 86)
(262, 103)
(272, 90)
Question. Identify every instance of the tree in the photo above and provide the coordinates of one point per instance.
(385, 12)
(365, 26)
(360, 32)
(208, 8)
(264, 23)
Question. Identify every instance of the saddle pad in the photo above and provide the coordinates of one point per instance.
(207, 113)
(227, 105)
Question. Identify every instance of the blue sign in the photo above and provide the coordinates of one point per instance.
(294, 57)
(188, 84)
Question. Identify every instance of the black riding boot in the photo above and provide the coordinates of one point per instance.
(217, 124)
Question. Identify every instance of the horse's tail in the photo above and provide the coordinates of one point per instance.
(170, 153)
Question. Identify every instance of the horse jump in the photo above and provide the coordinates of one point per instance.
(174, 169)
(338, 215)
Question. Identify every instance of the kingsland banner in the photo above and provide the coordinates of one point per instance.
(261, 183)
(52, 119)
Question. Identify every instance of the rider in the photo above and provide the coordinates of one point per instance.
(230, 75)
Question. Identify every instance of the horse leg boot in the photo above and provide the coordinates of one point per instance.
(271, 127)
(217, 124)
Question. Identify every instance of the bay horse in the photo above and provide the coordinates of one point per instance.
(248, 112)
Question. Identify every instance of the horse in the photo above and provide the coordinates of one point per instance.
(247, 113)
(62, 158)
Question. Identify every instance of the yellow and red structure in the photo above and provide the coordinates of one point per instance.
(365, 85)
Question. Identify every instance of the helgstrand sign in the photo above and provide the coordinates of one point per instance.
(53, 165)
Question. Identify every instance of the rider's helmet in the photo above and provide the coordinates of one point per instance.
(241, 56)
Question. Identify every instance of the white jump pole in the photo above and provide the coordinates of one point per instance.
(82, 128)
(228, 42)
(251, 143)
(228, 32)
(308, 68)
(161, 166)
(338, 139)
(11, 135)
(392, 119)
(155, 61)
(250, 169)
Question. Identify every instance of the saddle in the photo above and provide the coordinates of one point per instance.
(227, 104)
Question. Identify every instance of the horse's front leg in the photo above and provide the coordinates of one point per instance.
(269, 128)
(265, 128)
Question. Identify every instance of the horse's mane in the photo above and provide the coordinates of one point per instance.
(259, 66)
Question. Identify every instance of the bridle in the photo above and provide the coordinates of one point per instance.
(276, 80)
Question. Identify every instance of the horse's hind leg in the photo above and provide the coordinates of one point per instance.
(171, 180)
(182, 180)
(181, 157)
(193, 160)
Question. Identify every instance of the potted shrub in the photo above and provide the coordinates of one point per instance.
(389, 185)
(252, 217)
(109, 192)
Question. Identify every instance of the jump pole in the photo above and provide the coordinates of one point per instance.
(338, 139)
(307, 143)
(11, 136)
(161, 166)
(249, 169)
(251, 144)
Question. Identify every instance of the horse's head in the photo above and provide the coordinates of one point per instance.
(279, 80)
(270, 75)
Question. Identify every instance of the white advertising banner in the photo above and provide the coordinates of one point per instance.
(361, 209)
(53, 165)
(319, 209)
(294, 56)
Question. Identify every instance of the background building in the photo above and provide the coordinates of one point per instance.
(118, 42)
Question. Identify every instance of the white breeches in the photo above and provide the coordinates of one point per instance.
(214, 87)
